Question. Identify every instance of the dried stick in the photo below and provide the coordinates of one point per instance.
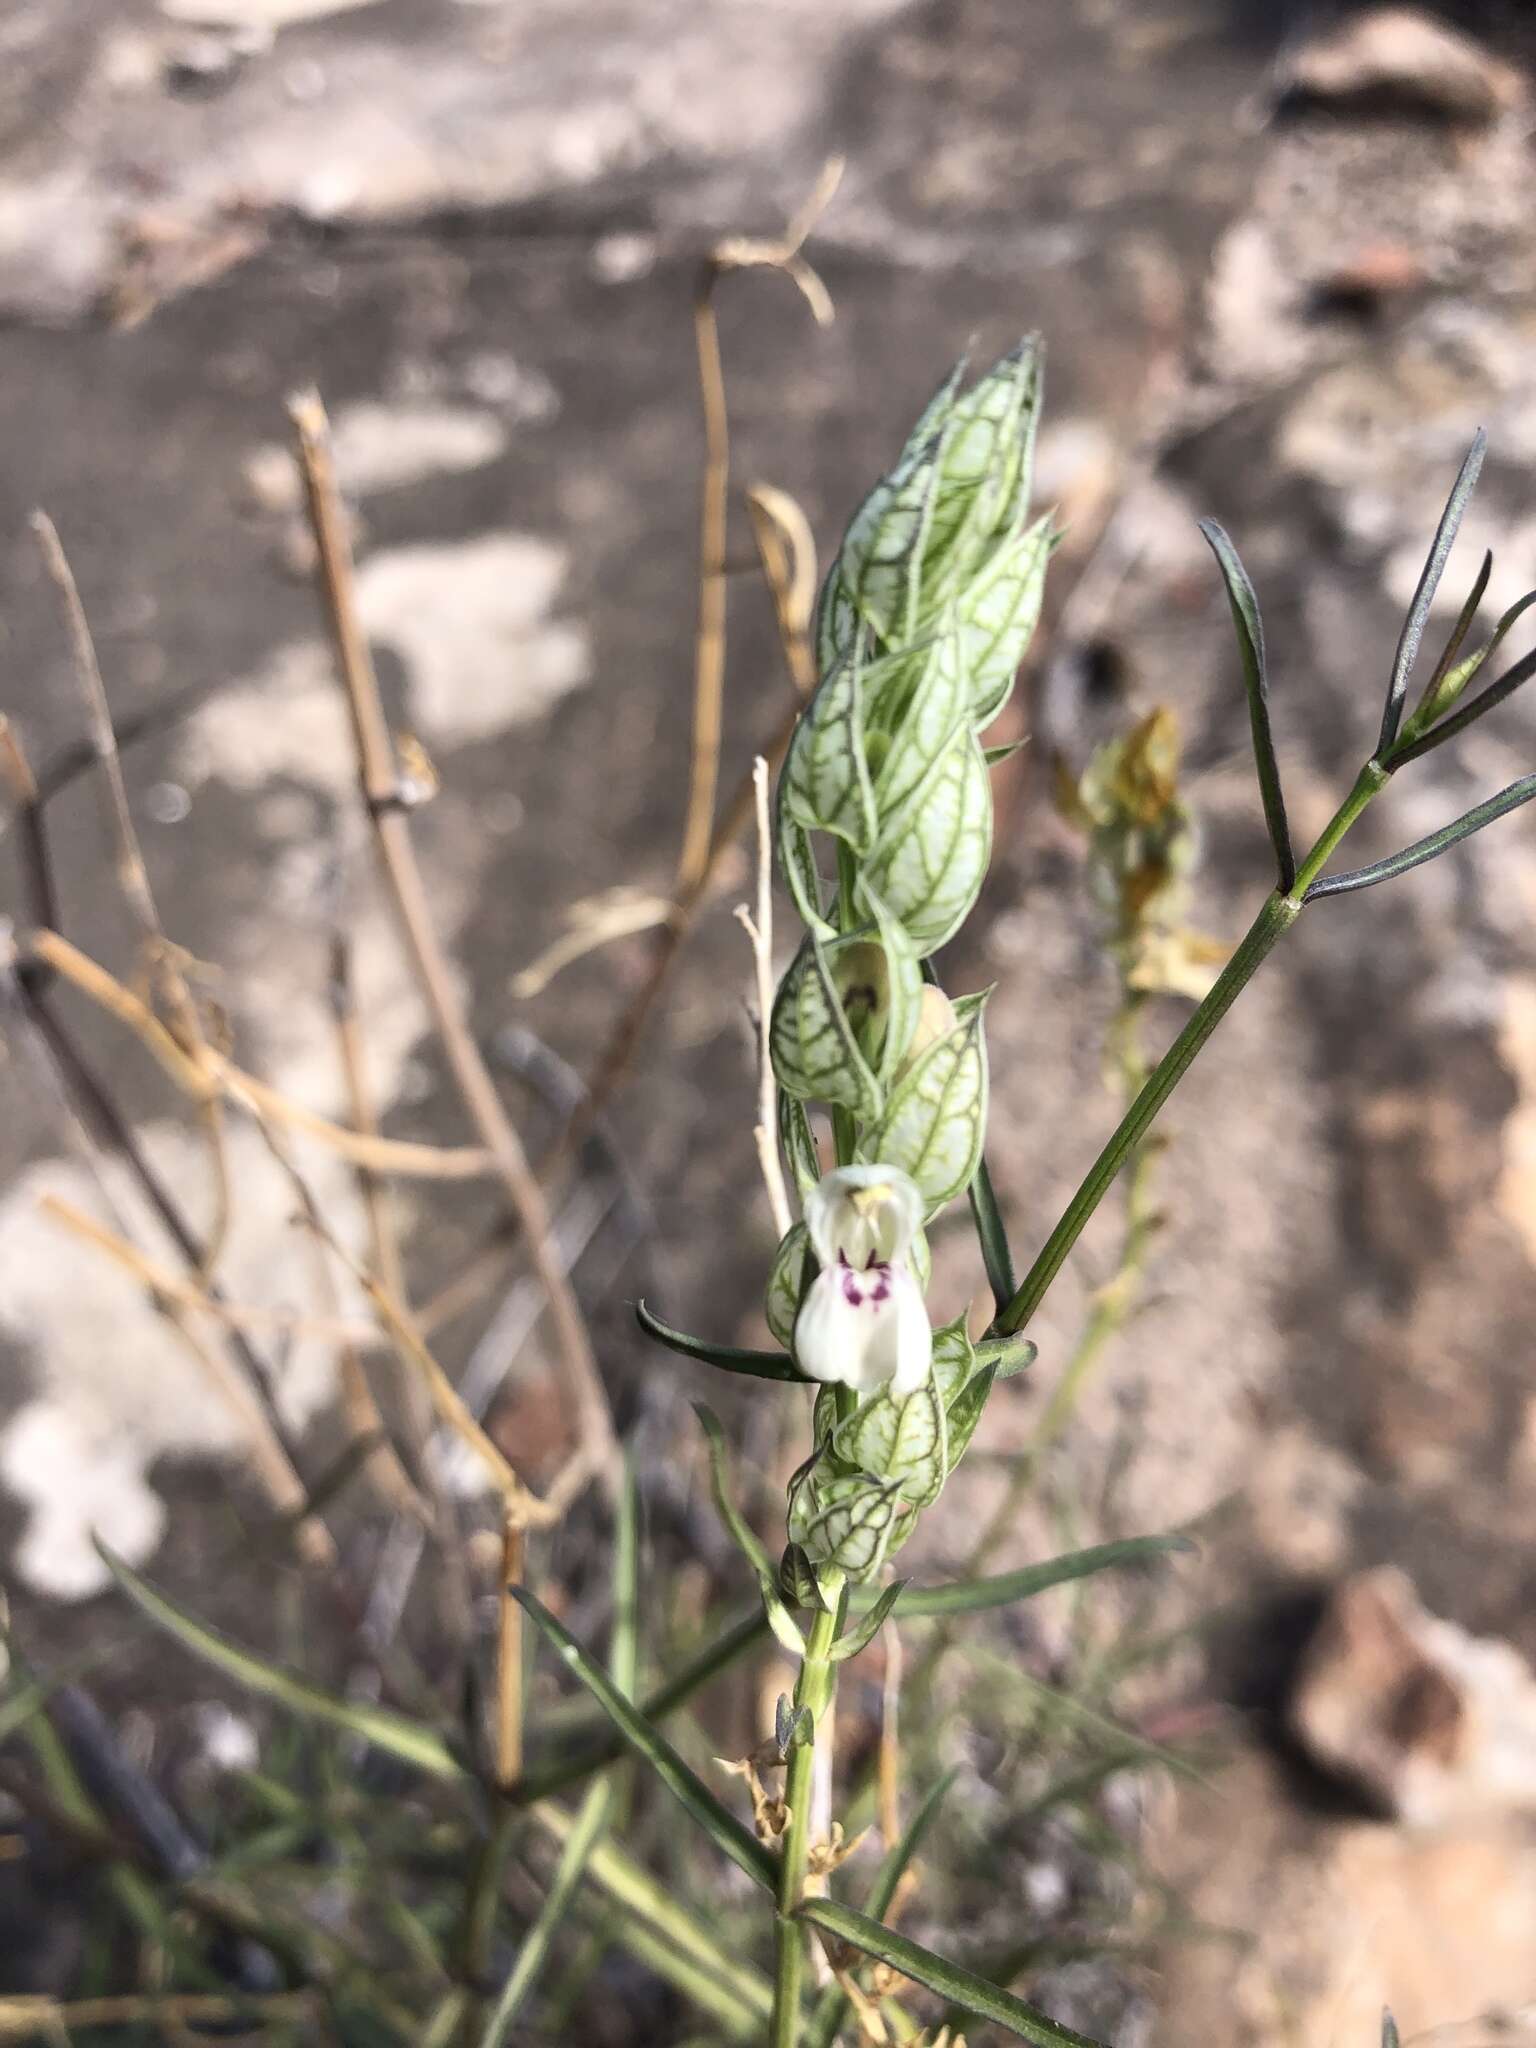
(786, 549)
(132, 873)
(760, 931)
(36, 856)
(380, 786)
(193, 1294)
(378, 1209)
(736, 253)
(509, 1658)
(199, 1074)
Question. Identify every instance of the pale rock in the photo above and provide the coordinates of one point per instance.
(1405, 59)
(1439, 1726)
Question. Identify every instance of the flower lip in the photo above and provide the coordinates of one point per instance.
(861, 1216)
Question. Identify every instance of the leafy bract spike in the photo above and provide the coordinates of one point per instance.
(1414, 856)
(758, 1365)
(931, 858)
(1424, 595)
(1250, 642)
(693, 1794)
(959, 1986)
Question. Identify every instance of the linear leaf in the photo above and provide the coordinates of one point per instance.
(1424, 595)
(1390, 2038)
(742, 1533)
(1249, 627)
(959, 1986)
(933, 1123)
(1445, 685)
(991, 1236)
(760, 1365)
(689, 1790)
(1485, 701)
(929, 862)
(864, 1632)
(1414, 856)
(825, 777)
(581, 1760)
(973, 1596)
(832, 2006)
(409, 1740)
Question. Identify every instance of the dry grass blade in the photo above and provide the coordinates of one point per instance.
(735, 253)
(379, 779)
(786, 548)
(208, 1070)
(759, 930)
(133, 875)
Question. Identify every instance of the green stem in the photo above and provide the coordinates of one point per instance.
(1274, 920)
(815, 1688)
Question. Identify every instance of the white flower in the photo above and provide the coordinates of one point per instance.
(863, 1322)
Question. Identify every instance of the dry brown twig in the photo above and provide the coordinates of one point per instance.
(162, 959)
(201, 1072)
(509, 1658)
(737, 252)
(379, 777)
(759, 930)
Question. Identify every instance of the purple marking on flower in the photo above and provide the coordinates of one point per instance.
(857, 1289)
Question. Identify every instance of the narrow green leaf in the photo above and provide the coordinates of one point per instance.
(394, 1733)
(1422, 850)
(579, 1762)
(761, 1365)
(929, 862)
(1424, 595)
(787, 1281)
(1390, 2038)
(689, 1790)
(593, 1814)
(797, 864)
(825, 777)
(1249, 627)
(815, 1053)
(934, 1121)
(742, 1534)
(973, 1596)
(863, 1633)
(1444, 685)
(832, 2006)
(995, 756)
(959, 1986)
(1485, 701)
(991, 1235)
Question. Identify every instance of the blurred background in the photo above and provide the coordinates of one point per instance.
(1284, 261)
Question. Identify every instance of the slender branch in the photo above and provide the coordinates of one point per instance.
(737, 253)
(397, 858)
(759, 930)
(200, 1074)
(133, 873)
